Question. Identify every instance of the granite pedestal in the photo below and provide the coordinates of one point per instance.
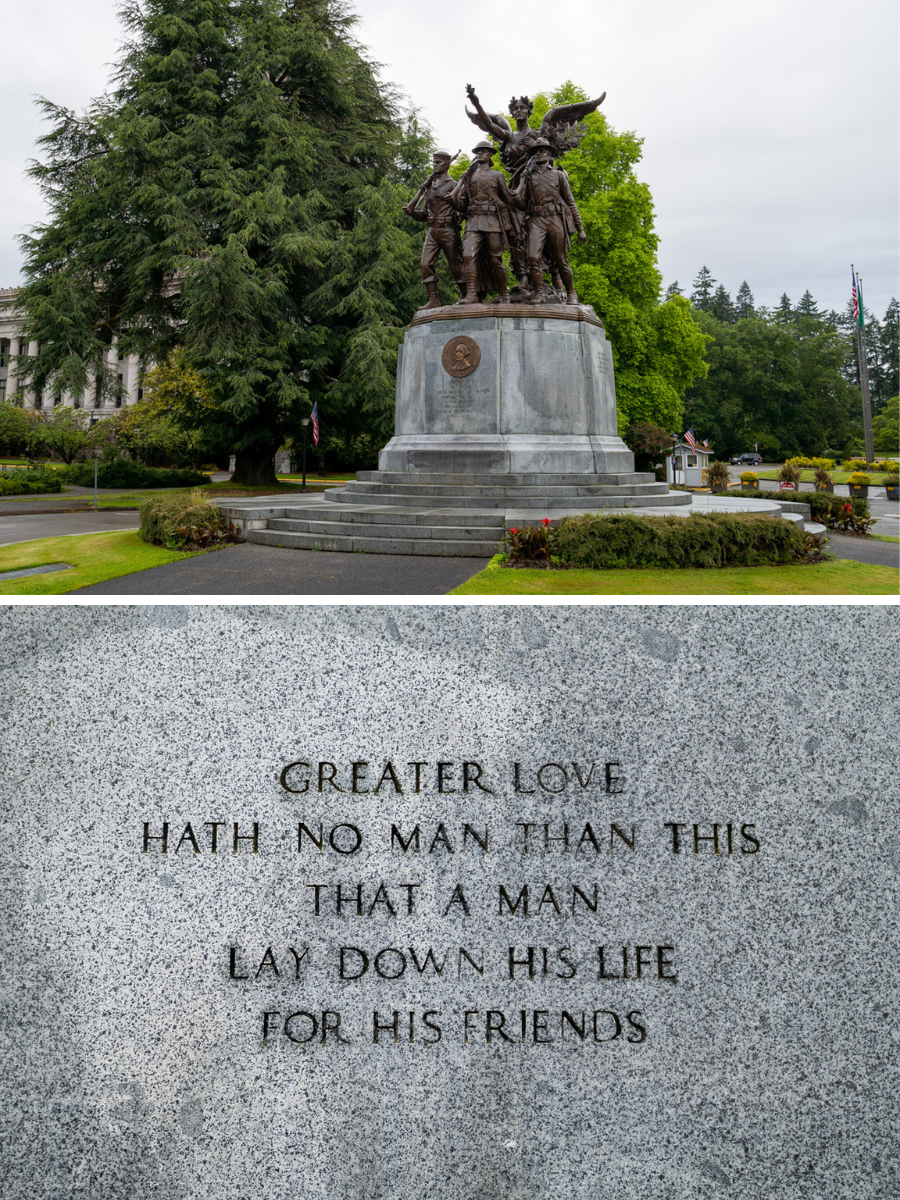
(505, 414)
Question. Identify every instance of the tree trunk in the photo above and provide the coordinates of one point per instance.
(255, 467)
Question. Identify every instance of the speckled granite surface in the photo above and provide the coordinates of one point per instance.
(134, 985)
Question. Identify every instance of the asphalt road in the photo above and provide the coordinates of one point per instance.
(864, 550)
(252, 570)
(21, 527)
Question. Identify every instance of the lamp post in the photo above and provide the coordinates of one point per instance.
(675, 441)
(96, 454)
(304, 421)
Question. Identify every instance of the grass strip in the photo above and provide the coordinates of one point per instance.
(95, 557)
(842, 577)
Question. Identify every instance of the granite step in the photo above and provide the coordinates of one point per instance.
(368, 529)
(453, 491)
(485, 518)
(501, 480)
(374, 545)
(512, 499)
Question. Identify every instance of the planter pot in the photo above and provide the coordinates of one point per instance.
(750, 486)
(825, 487)
(892, 491)
(719, 491)
(859, 491)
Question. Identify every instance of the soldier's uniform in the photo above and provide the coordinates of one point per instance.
(553, 217)
(485, 200)
(443, 234)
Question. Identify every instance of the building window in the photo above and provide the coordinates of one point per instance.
(4, 354)
(98, 387)
(120, 390)
(57, 401)
(76, 403)
(692, 460)
(39, 400)
(2, 390)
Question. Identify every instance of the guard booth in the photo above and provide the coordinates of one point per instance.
(688, 466)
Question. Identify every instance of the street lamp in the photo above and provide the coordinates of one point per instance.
(304, 421)
(96, 453)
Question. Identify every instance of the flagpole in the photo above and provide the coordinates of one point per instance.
(862, 351)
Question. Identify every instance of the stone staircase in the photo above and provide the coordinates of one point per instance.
(382, 512)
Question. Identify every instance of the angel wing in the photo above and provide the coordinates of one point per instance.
(561, 126)
(496, 118)
(570, 114)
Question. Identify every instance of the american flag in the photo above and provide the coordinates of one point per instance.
(706, 442)
(756, 447)
(854, 294)
(690, 439)
(314, 417)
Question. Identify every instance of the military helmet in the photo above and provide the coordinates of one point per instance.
(441, 153)
(540, 144)
(484, 146)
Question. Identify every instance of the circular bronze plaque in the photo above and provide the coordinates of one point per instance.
(461, 356)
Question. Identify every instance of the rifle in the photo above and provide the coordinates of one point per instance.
(428, 182)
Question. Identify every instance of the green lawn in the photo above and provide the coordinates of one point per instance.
(841, 577)
(876, 478)
(94, 557)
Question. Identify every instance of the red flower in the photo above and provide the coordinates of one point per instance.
(515, 529)
(545, 521)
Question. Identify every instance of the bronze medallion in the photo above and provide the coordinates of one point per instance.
(461, 356)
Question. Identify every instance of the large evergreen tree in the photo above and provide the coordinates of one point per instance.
(701, 296)
(237, 195)
(744, 301)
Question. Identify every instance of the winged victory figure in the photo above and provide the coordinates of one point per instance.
(561, 127)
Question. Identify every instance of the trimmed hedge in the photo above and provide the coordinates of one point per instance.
(701, 540)
(823, 506)
(122, 473)
(179, 522)
(22, 482)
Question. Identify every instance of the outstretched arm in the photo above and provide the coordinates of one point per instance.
(485, 122)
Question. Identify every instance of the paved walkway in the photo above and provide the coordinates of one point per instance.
(864, 550)
(24, 528)
(252, 570)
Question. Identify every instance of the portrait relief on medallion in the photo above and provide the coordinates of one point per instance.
(461, 356)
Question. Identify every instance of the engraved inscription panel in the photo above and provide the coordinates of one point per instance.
(461, 356)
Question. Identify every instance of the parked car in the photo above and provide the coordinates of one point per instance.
(746, 460)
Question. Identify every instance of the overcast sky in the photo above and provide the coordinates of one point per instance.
(770, 127)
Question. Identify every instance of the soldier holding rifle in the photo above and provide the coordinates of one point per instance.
(443, 227)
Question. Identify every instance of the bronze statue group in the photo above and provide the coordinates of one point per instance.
(534, 216)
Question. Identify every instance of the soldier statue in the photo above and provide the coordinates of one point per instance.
(486, 203)
(443, 227)
(552, 217)
(562, 127)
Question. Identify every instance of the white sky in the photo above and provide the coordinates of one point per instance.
(770, 127)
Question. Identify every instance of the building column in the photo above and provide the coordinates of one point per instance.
(133, 376)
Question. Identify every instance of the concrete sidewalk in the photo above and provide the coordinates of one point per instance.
(252, 570)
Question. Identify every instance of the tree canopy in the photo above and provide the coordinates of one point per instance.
(236, 195)
(657, 349)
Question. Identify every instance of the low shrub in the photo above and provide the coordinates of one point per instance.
(749, 477)
(184, 523)
(891, 480)
(700, 540)
(123, 473)
(811, 464)
(824, 507)
(530, 544)
(24, 482)
(847, 521)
